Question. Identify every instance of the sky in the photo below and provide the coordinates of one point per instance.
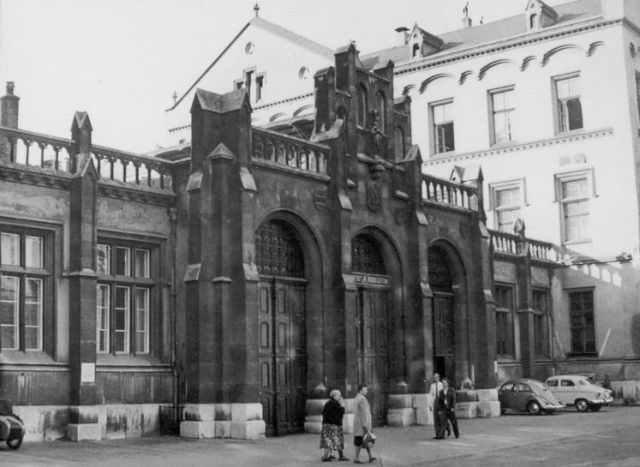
(122, 60)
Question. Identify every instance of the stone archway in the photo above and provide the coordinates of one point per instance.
(282, 347)
(448, 285)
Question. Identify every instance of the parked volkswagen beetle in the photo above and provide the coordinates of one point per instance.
(578, 391)
(11, 426)
(527, 395)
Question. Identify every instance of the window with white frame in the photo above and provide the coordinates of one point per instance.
(502, 115)
(574, 192)
(23, 277)
(124, 295)
(443, 132)
(568, 105)
(507, 199)
(504, 321)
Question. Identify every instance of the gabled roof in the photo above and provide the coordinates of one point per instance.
(486, 33)
(272, 28)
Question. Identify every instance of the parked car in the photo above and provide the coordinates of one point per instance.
(527, 395)
(578, 391)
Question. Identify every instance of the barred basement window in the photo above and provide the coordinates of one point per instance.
(124, 297)
(24, 294)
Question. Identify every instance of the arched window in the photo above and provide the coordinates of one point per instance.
(366, 256)
(416, 50)
(278, 252)
(382, 111)
(362, 105)
(398, 143)
(532, 21)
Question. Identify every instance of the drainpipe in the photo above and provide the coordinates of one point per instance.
(173, 218)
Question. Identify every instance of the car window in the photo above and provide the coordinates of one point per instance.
(521, 387)
(552, 383)
(567, 383)
(507, 387)
(583, 382)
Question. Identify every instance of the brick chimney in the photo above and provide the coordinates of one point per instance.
(9, 108)
(402, 35)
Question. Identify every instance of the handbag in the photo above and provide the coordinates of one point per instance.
(368, 439)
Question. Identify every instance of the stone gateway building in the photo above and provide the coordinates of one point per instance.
(230, 282)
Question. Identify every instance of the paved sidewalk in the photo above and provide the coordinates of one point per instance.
(569, 438)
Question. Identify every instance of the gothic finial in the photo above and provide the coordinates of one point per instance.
(256, 8)
(465, 10)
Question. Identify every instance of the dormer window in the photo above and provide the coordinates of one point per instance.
(540, 15)
(416, 51)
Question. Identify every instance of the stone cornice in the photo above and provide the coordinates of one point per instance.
(31, 175)
(290, 170)
(126, 193)
(505, 44)
(561, 139)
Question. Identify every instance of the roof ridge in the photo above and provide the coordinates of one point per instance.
(292, 35)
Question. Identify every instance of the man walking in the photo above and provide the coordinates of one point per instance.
(361, 423)
(434, 390)
(448, 407)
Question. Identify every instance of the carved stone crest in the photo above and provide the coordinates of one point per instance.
(374, 195)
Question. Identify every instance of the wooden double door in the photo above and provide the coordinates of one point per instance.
(443, 334)
(282, 354)
(372, 349)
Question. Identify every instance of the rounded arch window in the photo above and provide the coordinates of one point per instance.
(303, 73)
(366, 255)
(249, 48)
(278, 251)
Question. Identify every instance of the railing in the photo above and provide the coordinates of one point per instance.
(53, 153)
(437, 190)
(133, 169)
(289, 151)
(511, 244)
(35, 150)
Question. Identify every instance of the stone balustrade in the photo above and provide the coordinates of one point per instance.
(507, 243)
(440, 191)
(288, 151)
(34, 149)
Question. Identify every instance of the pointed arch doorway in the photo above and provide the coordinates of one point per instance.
(371, 322)
(282, 355)
(441, 282)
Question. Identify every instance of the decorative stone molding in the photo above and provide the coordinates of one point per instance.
(561, 139)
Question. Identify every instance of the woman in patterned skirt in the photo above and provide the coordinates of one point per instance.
(332, 437)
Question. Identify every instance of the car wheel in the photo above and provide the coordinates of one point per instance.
(533, 408)
(582, 405)
(14, 443)
(595, 408)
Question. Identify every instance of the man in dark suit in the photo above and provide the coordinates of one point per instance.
(447, 405)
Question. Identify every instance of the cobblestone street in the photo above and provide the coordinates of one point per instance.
(564, 439)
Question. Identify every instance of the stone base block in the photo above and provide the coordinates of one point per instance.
(401, 417)
(347, 423)
(84, 432)
(223, 429)
(245, 412)
(488, 409)
(198, 430)
(250, 429)
(315, 406)
(466, 409)
(313, 427)
(420, 400)
(487, 395)
(630, 392)
(466, 395)
(424, 416)
(199, 412)
(223, 412)
(400, 401)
